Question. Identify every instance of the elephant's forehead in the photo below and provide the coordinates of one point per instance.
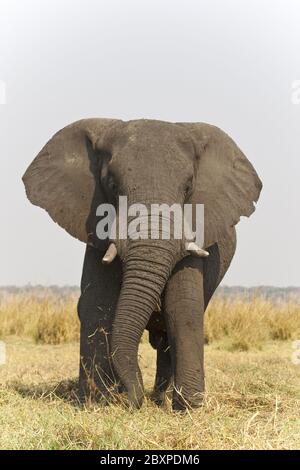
(148, 128)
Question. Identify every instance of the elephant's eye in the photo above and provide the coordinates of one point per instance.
(188, 187)
(112, 185)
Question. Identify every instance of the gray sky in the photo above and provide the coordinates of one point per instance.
(229, 63)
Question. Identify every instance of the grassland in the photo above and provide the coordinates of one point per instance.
(253, 387)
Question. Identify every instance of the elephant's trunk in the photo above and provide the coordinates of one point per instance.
(147, 267)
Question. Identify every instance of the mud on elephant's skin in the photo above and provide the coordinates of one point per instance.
(94, 161)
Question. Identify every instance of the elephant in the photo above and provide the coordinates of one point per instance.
(163, 285)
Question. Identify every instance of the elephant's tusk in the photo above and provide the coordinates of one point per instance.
(194, 249)
(110, 254)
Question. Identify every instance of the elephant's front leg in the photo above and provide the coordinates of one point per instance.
(159, 341)
(184, 311)
(100, 288)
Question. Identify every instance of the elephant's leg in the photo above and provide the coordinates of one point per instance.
(159, 341)
(100, 287)
(184, 311)
(218, 262)
(163, 374)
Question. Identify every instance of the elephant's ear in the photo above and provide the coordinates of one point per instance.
(226, 182)
(63, 180)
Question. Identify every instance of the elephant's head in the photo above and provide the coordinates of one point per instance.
(94, 161)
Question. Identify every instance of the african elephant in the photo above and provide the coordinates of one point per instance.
(160, 284)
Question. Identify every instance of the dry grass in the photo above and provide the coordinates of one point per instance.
(253, 388)
(239, 324)
(48, 320)
(252, 402)
(243, 325)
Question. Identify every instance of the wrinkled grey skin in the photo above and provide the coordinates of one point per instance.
(95, 160)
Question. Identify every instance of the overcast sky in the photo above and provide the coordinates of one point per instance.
(229, 63)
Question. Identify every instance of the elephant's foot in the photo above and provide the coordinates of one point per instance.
(161, 389)
(162, 386)
(159, 396)
(183, 401)
(136, 399)
(159, 341)
(96, 385)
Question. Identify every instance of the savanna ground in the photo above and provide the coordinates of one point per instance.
(252, 385)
